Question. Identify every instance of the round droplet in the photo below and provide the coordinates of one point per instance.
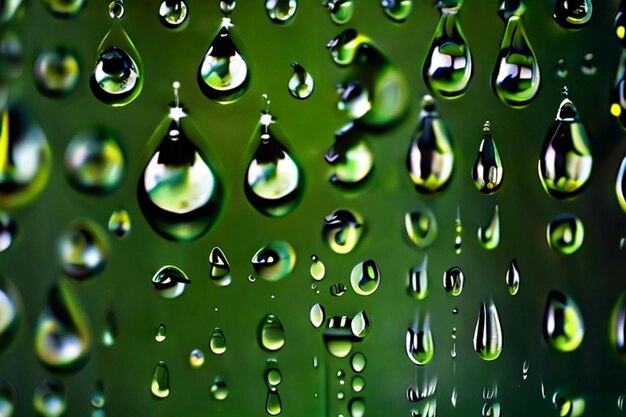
(356, 407)
(317, 269)
(418, 280)
(119, 223)
(453, 281)
(273, 403)
(174, 14)
(565, 234)
(560, 69)
(358, 383)
(49, 399)
(219, 390)
(64, 8)
(397, 10)
(488, 332)
(358, 362)
(317, 315)
(227, 6)
(94, 162)
(160, 334)
(487, 171)
(82, 249)
(116, 9)
(567, 405)
(512, 279)
(219, 267)
(170, 281)
(7, 398)
(563, 326)
(489, 236)
(218, 341)
(274, 261)
(419, 344)
(56, 71)
(618, 326)
(301, 83)
(8, 231)
(573, 15)
(341, 11)
(196, 358)
(350, 157)
(360, 325)
(421, 227)
(10, 312)
(281, 11)
(365, 277)
(117, 76)
(273, 376)
(160, 384)
(271, 333)
(342, 230)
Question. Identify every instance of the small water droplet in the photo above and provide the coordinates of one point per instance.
(568, 405)
(342, 230)
(271, 333)
(458, 231)
(360, 325)
(488, 332)
(453, 351)
(620, 24)
(217, 343)
(397, 10)
(341, 11)
(453, 281)
(301, 83)
(365, 277)
(588, 66)
(317, 269)
(317, 315)
(170, 281)
(274, 261)
(620, 186)
(281, 11)
(350, 157)
(82, 249)
(418, 280)
(251, 278)
(49, 398)
(563, 326)
(358, 362)
(618, 104)
(358, 383)
(512, 278)
(219, 389)
(421, 227)
(572, 15)
(196, 358)
(227, 6)
(525, 368)
(219, 267)
(419, 344)
(174, 14)
(8, 231)
(565, 233)
(7, 398)
(455, 311)
(160, 384)
(489, 236)
(337, 290)
(160, 333)
(10, 312)
(338, 336)
(488, 171)
(356, 407)
(116, 9)
(273, 376)
(491, 409)
(56, 71)
(618, 326)
(109, 330)
(98, 400)
(273, 404)
(120, 223)
(543, 390)
(560, 69)
(64, 8)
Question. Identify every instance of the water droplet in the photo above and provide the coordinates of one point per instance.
(338, 336)
(218, 341)
(64, 8)
(360, 325)
(418, 280)
(337, 290)
(620, 24)
(397, 10)
(223, 74)
(572, 15)
(160, 384)
(56, 71)
(274, 261)
(419, 343)
(489, 236)
(227, 6)
(588, 67)
(453, 351)
(25, 159)
(196, 358)
(62, 336)
(565, 161)
(11, 53)
(491, 409)
(98, 400)
(458, 231)
(342, 230)
(49, 399)
(618, 326)
(160, 334)
(487, 171)
(174, 14)
(281, 11)
(568, 405)
(109, 331)
(317, 269)
(273, 404)
(421, 227)
(10, 312)
(219, 267)
(350, 157)
(301, 83)
(7, 398)
(563, 326)
(448, 69)
(317, 315)
(455, 311)
(273, 376)
(271, 333)
(119, 223)
(453, 281)
(560, 69)
(488, 332)
(620, 402)
(453, 397)
(341, 11)
(219, 390)
(525, 368)
(430, 159)
(251, 278)
(543, 390)
(356, 407)
(179, 191)
(365, 277)
(358, 383)
(565, 233)
(9, 9)
(117, 76)
(82, 249)
(170, 281)
(358, 362)
(618, 94)
(512, 277)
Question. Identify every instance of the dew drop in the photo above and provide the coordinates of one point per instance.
(453, 281)
(356, 407)
(568, 405)
(488, 171)
(317, 269)
(170, 281)
(338, 336)
(565, 233)
(489, 236)
(49, 398)
(301, 83)
(418, 280)
(588, 66)
(219, 267)
(160, 384)
(512, 278)
(7, 398)
(365, 277)
(317, 315)
(419, 344)
(572, 15)
(271, 333)
(174, 14)
(160, 333)
(64, 8)
(358, 362)
(421, 227)
(341, 11)
(10, 312)
(218, 341)
(109, 331)
(56, 71)
(397, 10)
(560, 69)
(563, 326)
(119, 223)
(196, 358)
(358, 383)
(273, 404)
(350, 157)
(281, 11)
(219, 390)
(342, 230)
(488, 332)
(360, 325)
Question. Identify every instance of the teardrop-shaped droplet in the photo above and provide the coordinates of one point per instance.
(170, 281)
(109, 330)
(274, 261)
(273, 376)
(219, 389)
(489, 236)
(487, 171)
(351, 157)
(281, 11)
(317, 269)
(10, 312)
(271, 333)
(62, 337)
(365, 277)
(227, 6)
(342, 230)
(618, 94)
(512, 278)
(563, 326)
(94, 161)
(421, 227)
(516, 77)
(453, 281)
(56, 71)
(120, 224)
(568, 405)
(358, 362)
(430, 159)
(565, 233)
(273, 404)
(301, 83)
(620, 23)
(419, 344)
(160, 383)
(488, 332)
(218, 341)
(196, 358)
(572, 14)
(7, 398)
(360, 325)
(117, 76)
(160, 334)
(358, 383)
(338, 336)
(341, 11)
(448, 69)
(618, 326)
(317, 315)
(525, 368)
(82, 249)
(179, 191)
(565, 160)
(219, 267)
(418, 280)
(64, 8)
(356, 407)
(223, 74)
(397, 10)
(174, 14)
(25, 159)
(49, 398)
(97, 399)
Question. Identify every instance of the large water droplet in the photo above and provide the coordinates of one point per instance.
(356, 407)
(421, 227)
(489, 236)
(350, 156)
(365, 277)
(430, 159)
(219, 267)
(170, 281)
(567, 405)
(301, 83)
(160, 333)
(56, 71)
(62, 337)
(488, 332)
(572, 14)
(271, 333)
(342, 230)
(174, 14)
(418, 280)
(223, 74)
(7, 398)
(281, 11)
(10, 312)
(419, 344)
(219, 389)
(487, 171)
(512, 279)
(160, 383)
(317, 315)
(64, 8)
(565, 233)
(49, 399)
(82, 249)
(563, 326)
(453, 281)
(618, 94)
(196, 358)
(565, 160)
(274, 261)
(397, 10)
(338, 336)
(119, 223)
(341, 11)
(273, 404)
(618, 326)
(218, 341)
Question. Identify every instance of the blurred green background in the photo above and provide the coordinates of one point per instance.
(593, 276)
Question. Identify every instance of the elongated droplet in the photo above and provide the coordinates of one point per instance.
(170, 281)
(430, 159)
(572, 14)
(62, 337)
(223, 74)
(560, 69)
(620, 402)
(618, 326)
(620, 23)
(281, 11)
(360, 325)
(120, 224)
(342, 230)
(565, 233)
(338, 336)
(358, 383)
(563, 326)
(397, 10)
(341, 11)
(421, 227)
(274, 261)
(488, 332)
(7, 398)
(516, 77)
(489, 236)
(8, 231)
(350, 157)
(568, 405)
(618, 94)
(565, 160)
(219, 267)
(273, 404)
(196, 358)
(487, 171)
(419, 344)
(109, 330)
(10, 312)
(448, 68)
(218, 341)
(365, 277)
(458, 231)
(418, 280)
(49, 398)
(358, 362)
(317, 315)
(356, 407)
(227, 6)
(56, 71)
(620, 185)
(219, 389)
(453, 281)
(98, 399)
(491, 409)
(512, 279)
(160, 384)
(174, 14)
(82, 249)
(271, 333)
(160, 334)
(588, 66)
(64, 8)
(301, 83)
(317, 269)
(179, 191)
